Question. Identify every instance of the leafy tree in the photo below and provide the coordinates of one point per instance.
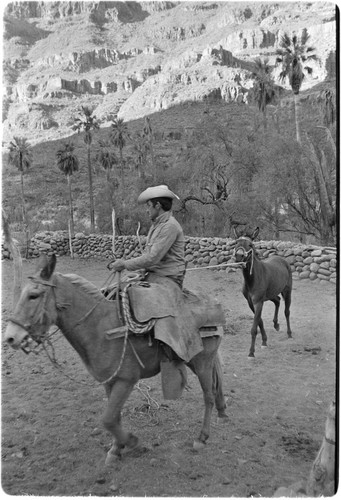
(327, 99)
(119, 135)
(263, 86)
(21, 157)
(321, 157)
(68, 163)
(293, 55)
(87, 124)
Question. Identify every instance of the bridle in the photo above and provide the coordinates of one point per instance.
(38, 314)
(246, 254)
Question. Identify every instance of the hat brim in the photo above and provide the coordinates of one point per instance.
(156, 192)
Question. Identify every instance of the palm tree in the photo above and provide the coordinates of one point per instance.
(148, 132)
(119, 136)
(87, 124)
(140, 147)
(106, 158)
(293, 54)
(68, 163)
(263, 85)
(20, 156)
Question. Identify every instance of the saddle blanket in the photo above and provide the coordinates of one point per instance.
(179, 314)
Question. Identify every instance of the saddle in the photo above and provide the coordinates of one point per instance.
(180, 317)
(151, 300)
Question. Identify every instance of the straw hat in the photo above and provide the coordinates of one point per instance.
(161, 191)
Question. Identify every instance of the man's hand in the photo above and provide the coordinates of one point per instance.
(117, 265)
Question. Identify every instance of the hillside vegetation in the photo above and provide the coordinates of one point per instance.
(188, 68)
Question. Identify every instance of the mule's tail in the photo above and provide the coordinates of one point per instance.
(218, 385)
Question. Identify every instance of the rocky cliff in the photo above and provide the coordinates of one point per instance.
(136, 58)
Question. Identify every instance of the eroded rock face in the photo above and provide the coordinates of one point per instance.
(148, 56)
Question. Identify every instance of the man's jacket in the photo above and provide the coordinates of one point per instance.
(164, 250)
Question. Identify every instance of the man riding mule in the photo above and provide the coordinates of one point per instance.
(114, 353)
(84, 316)
(163, 267)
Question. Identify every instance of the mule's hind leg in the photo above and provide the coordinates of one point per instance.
(277, 302)
(287, 301)
(202, 366)
(117, 396)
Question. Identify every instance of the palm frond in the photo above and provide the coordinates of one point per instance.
(285, 41)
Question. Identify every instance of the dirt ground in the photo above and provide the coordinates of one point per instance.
(53, 442)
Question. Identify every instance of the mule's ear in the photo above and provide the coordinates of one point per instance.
(48, 266)
(235, 232)
(255, 233)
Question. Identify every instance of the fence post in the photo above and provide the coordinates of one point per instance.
(70, 239)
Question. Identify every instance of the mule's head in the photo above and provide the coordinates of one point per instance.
(36, 310)
(243, 250)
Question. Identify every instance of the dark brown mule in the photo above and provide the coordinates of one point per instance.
(83, 315)
(263, 280)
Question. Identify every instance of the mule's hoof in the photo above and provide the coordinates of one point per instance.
(264, 347)
(198, 445)
(222, 418)
(132, 442)
(111, 458)
(138, 451)
(276, 327)
(251, 357)
(222, 412)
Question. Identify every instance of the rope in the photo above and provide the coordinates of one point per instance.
(121, 360)
(147, 413)
(238, 265)
(134, 326)
(57, 366)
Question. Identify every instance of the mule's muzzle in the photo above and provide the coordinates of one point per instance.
(18, 338)
(240, 255)
(16, 335)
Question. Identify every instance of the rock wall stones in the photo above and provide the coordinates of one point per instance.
(306, 261)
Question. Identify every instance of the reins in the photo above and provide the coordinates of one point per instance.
(57, 365)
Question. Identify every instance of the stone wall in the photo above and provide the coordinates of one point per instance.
(306, 261)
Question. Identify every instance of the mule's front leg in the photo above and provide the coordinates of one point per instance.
(117, 396)
(257, 321)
